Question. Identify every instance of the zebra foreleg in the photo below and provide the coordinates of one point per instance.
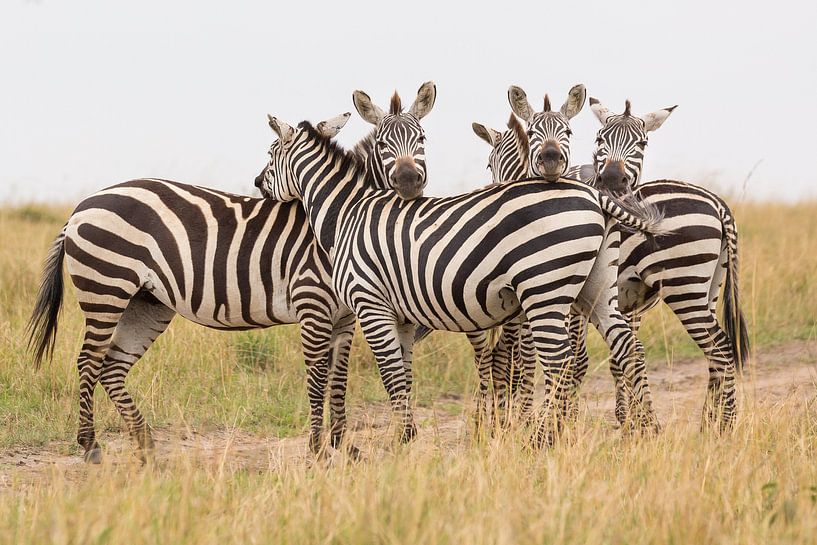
(382, 334)
(141, 323)
(577, 332)
(338, 377)
(627, 364)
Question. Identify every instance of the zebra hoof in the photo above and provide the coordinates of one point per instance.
(408, 435)
(353, 453)
(93, 456)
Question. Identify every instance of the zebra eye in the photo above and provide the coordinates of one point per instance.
(643, 143)
(569, 132)
(421, 139)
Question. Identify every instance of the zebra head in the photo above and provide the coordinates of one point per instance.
(548, 131)
(509, 157)
(398, 157)
(277, 181)
(620, 145)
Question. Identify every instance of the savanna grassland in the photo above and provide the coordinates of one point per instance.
(230, 415)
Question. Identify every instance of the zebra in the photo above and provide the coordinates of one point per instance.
(687, 267)
(142, 251)
(463, 263)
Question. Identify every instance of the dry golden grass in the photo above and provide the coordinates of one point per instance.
(758, 485)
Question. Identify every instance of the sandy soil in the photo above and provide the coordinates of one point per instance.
(784, 373)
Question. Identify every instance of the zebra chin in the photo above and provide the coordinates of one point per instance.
(551, 171)
(409, 191)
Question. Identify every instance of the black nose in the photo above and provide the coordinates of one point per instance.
(259, 180)
(550, 154)
(614, 180)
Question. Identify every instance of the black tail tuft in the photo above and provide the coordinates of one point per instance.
(42, 326)
(734, 323)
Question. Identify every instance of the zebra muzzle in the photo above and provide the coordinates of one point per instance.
(407, 179)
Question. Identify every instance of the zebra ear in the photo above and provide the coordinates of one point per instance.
(600, 110)
(426, 95)
(654, 120)
(284, 131)
(519, 103)
(331, 127)
(489, 135)
(575, 101)
(367, 109)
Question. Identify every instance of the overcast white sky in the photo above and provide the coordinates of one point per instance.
(97, 92)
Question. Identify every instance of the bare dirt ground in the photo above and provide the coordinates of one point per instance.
(787, 372)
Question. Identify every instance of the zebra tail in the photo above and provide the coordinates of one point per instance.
(421, 332)
(42, 326)
(734, 323)
(634, 214)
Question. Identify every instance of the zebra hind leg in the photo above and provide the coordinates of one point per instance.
(316, 336)
(103, 308)
(98, 332)
(702, 325)
(553, 350)
(141, 323)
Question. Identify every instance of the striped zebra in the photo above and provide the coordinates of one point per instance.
(686, 268)
(704, 222)
(544, 149)
(140, 252)
(463, 263)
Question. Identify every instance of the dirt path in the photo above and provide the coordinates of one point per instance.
(786, 372)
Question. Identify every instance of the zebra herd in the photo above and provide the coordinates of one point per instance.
(344, 235)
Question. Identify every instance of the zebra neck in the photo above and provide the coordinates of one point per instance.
(330, 182)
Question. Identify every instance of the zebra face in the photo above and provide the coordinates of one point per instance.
(549, 151)
(398, 157)
(509, 154)
(620, 145)
(548, 131)
(277, 180)
(399, 154)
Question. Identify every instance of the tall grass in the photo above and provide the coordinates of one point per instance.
(758, 485)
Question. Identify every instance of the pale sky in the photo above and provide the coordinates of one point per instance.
(98, 92)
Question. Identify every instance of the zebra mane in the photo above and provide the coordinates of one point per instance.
(349, 158)
(626, 108)
(365, 146)
(522, 141)
(396, 105)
